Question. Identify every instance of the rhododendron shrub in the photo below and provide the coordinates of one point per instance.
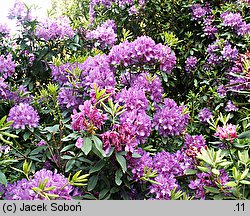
(126, 100)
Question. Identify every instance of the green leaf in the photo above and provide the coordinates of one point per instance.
(26, 136)
(67, 147)
(215, 171)
(3, 179)
(69, 165)
(118, 176)
(99, 165)
(98, 145)
(212, 189)
(225, 163)
(244, 135)
(136, 155)
(122, 161)
(37, 150)
(103, 193)
(203, 169)
(69, 137)
(244, 174)
(245, 182)
(2, 120)
(92, 182)
(191, 172)
(87, 145)
(53, 129)
(231, 184)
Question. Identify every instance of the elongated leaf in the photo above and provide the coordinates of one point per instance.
(98, 145)
(118, 176)
(212, 189)
(99, 165)
(92, 182)
(245, 182)
(69, 165)
(3, 179)
(2, 120)
(190, 172)
(87, 145)
(244, 135)
(121, 160)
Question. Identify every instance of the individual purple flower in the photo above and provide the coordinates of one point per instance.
(204, 115)
(140, 121)
(41, 143)
(4, 30)
(151, 85)
(190, 62)
(170, 119)
(97, 71)
(79, 143)
(88, 117)
(137, 165)
(194, 144)
(209, 29)
(198, 11)
(25, 189)
(20, 12)
(4, 149)
(230, 107)
(222, 91)
(133, 99)
(7, 66)
(229, 53)
(23, 115)
(52, 29)
(67, 96)
(104, 34)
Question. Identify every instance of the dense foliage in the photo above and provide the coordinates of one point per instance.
(126, 99)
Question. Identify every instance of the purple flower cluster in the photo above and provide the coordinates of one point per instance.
(199, 11)
(7, 66)
(23, 189)
(194, 144)
(104, 34)
(230, 107)
(97, 70)
(108, 3)
(68, 96)
(229, 53)
(51, 29)
(23, 115)
(140, 121)
(222, 91)
(122, 137)
(209, 29)
(150, 84)
(143, 50)
(190, 63)
(235, 21)
(4, 30)
(88, 117)
(168, 166)
(220, 50)
(204, 115)
(206, 179)
(20, 12)
(170, 120)
(133, 99)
